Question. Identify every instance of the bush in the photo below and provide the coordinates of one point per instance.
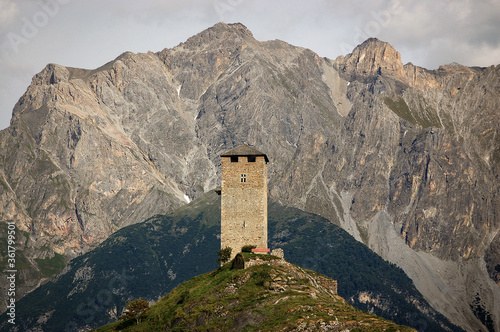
(135, 309)
(248, 248)
(224, 255)
(238, 262)
(262, 278)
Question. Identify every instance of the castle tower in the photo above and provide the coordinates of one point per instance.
(244, 199)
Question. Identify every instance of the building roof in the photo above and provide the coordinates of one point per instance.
(244, 150)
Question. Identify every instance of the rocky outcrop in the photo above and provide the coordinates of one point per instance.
(406, 159)
(322, 284)
(371, 59)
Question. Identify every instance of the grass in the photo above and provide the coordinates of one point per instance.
(401, 109)
(51, 266)
(225, 298)
(424, 116)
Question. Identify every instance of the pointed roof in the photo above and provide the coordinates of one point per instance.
(244, 150)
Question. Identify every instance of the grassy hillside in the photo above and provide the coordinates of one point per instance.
(273, 297)
(150, 259)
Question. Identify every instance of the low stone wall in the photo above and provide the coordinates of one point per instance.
(274, 262)
(278, 252)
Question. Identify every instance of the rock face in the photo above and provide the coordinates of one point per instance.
(405, 159)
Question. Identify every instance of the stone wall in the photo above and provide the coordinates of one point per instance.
(278, 252)
(243, 203)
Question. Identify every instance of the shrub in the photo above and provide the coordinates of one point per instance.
(135, 309)
(248, 248)
(224, 255)
(238, 262)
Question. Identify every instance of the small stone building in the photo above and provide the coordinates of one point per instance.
(244, 199)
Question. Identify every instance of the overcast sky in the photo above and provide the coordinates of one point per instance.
(89, 33)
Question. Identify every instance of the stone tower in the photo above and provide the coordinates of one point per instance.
(244, 199)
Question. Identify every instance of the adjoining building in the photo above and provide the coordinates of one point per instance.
(244, 199)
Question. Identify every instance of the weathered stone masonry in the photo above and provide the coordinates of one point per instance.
(244, 199)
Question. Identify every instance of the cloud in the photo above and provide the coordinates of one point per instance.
(13, 77)
(8, 13)
(440, 32)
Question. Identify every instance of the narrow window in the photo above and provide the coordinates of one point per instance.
(251, 159)
(243, 178)
(234, 159)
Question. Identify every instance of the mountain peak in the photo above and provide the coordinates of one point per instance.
(221, 33)
(231, 27)
(373, 42)
(371, 58)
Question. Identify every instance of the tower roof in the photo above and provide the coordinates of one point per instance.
(244, 150)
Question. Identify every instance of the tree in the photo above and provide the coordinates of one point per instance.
(238, 262)
(135, 309)
(224, 255)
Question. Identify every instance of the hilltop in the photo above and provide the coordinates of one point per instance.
(269, 295)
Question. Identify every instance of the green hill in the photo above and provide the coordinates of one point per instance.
(274, 296)
(151, 258)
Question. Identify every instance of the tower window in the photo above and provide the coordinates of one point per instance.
(234, 159)
(243, 178)
(251, 159)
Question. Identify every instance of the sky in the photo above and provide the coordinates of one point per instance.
(89, 33)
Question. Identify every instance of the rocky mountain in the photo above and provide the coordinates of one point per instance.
(230, 299)
(403, 158)
(147, 260)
